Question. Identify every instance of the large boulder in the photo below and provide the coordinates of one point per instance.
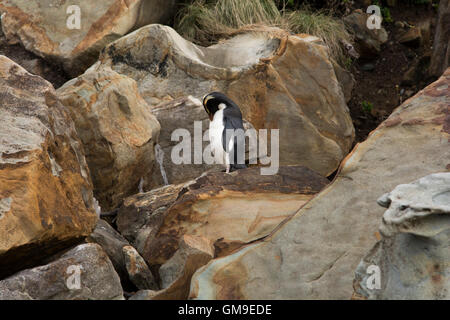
(129, 265)
(413, 256)
(285, 83)
(46, 197)
(48, 28)
(440, 59)
(314, 255)
(193, 253)
(83, 273)
(230, 210)
(117, 129)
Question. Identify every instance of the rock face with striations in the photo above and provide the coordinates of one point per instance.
(58, 279)
(46, 197)
(314, 254)
(413, 255)
(285, 83)
(230, 210)
(117, 129)
(50, 29)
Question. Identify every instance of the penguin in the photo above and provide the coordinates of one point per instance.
(224, 114)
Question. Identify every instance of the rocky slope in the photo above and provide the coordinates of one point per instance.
(93, 205)
(314, 255)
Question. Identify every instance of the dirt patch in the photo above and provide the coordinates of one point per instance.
(380, 90)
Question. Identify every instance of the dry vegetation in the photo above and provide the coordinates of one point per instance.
(206, 22)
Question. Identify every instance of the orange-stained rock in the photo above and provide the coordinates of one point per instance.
(315, 254)
(45, 190)
(42, 26)
(137, 269)
(117, 129)
(230, 210)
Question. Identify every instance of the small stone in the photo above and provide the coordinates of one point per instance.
(411, 38)
(138, 270)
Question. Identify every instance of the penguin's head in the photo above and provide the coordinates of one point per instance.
(214, 101)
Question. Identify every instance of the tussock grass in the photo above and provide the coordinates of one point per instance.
(207, 21)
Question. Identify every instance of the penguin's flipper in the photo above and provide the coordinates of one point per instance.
(232, 119)
(231, 147)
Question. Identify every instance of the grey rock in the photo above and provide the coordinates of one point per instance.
(172, 115)
(98, 279)
(368, 41)
(413, 255)
(112, 243)
(138, 270)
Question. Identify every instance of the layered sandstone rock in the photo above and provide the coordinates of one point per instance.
(117, 129)
(413, 257)
(285, 83)
(49, 28)
(83, 273)
(45, 190)
(314, 255)
(230, 210)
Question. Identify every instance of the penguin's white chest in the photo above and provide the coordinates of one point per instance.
(216, 128)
